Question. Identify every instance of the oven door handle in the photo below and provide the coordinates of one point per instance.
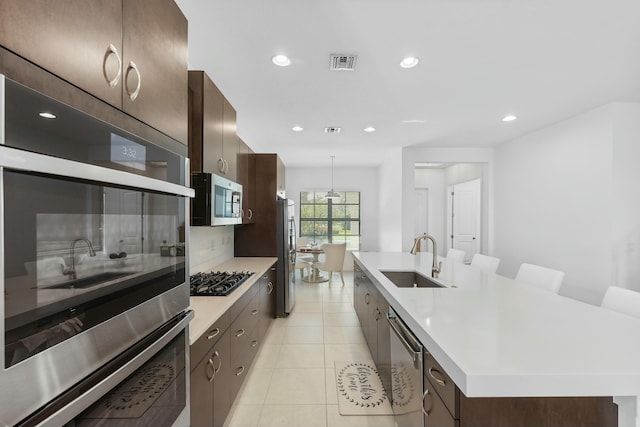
(14, 158)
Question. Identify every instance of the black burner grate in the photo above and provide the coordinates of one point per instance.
(217, 283)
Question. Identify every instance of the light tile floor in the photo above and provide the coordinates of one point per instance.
(292, 380)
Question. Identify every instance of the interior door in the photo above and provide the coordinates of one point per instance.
(465, 208)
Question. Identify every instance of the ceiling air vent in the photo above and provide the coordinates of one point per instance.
(342, 62)
(332, 129)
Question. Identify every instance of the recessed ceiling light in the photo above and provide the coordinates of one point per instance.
(509, 118)
(409, 62)
(411, 121)
(281, 60)
(297, 128)
(46, 115)
(369, 129)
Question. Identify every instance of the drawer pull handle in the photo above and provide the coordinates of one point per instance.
(240, 333)
(239, 371)
(254, 312)
(254, 343)
(440, 380)
(214, 333)
(367, 297)
(424, 396)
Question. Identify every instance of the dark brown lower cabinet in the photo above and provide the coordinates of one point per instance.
(445, 405)
(267, 300)
(221, 358)
(210, 382)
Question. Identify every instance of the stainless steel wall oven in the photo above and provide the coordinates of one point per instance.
(90, 303)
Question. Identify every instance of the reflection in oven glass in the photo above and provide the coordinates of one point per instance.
(154, 395)
(80, 253)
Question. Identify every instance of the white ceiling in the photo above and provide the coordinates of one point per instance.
(542, 60)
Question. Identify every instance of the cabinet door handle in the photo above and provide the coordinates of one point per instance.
(249, 213)
(213, 334)
(254, 312)
(225, 166)
(424, 396)
(440, 380)
(367, 298)
(239, 371)
(212, 364)
(241, 213)
(213, 370)
(133, 95)
(377, 316)
(111, 50)
(221, 165)
(240, 332)
(254, 343)
(270, 285)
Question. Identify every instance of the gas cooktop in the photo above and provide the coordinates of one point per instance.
(217, 283)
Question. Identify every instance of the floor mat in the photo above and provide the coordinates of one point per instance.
(360, 390)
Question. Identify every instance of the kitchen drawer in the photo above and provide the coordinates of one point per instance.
(200, 348)
(242, 302)
(435, 412)
(442, 384)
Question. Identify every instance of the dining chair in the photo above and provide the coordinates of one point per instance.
(302, 266)
(622, 300)
(302, 242)
(543, 277)
(455, 255)
(485, 262)
(333, 259)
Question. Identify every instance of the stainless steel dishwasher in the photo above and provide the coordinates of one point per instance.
(406, 374)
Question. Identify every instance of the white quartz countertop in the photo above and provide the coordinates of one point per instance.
(208, 309)
(498, 337)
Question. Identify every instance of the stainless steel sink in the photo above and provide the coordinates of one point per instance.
(87, 282)
(411, 279)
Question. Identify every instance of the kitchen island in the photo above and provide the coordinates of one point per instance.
(496, 337)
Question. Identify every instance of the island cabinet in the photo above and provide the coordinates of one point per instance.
(130, 54)
(213, 143)
(372, 308)
(446, 406)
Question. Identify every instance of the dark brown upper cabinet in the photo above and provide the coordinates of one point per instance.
(246, 170)
(128, 53)
(213, 142)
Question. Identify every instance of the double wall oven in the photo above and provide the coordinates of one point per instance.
(94, 314)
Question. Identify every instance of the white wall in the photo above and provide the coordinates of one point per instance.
(553, 202)
(391, 208)
(434, 181)
(209, 246)
(411, 155)
(626, 196)
(362, 179)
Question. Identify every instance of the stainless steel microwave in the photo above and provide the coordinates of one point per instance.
(218, 201)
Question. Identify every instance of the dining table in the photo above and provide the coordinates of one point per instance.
(314, 276)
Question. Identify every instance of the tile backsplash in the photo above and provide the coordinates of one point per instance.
(209, 246)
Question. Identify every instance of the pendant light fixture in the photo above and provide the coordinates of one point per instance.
(332, 194)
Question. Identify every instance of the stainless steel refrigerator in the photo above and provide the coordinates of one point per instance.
(286, 252)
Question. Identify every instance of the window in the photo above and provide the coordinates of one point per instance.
(331, 221)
